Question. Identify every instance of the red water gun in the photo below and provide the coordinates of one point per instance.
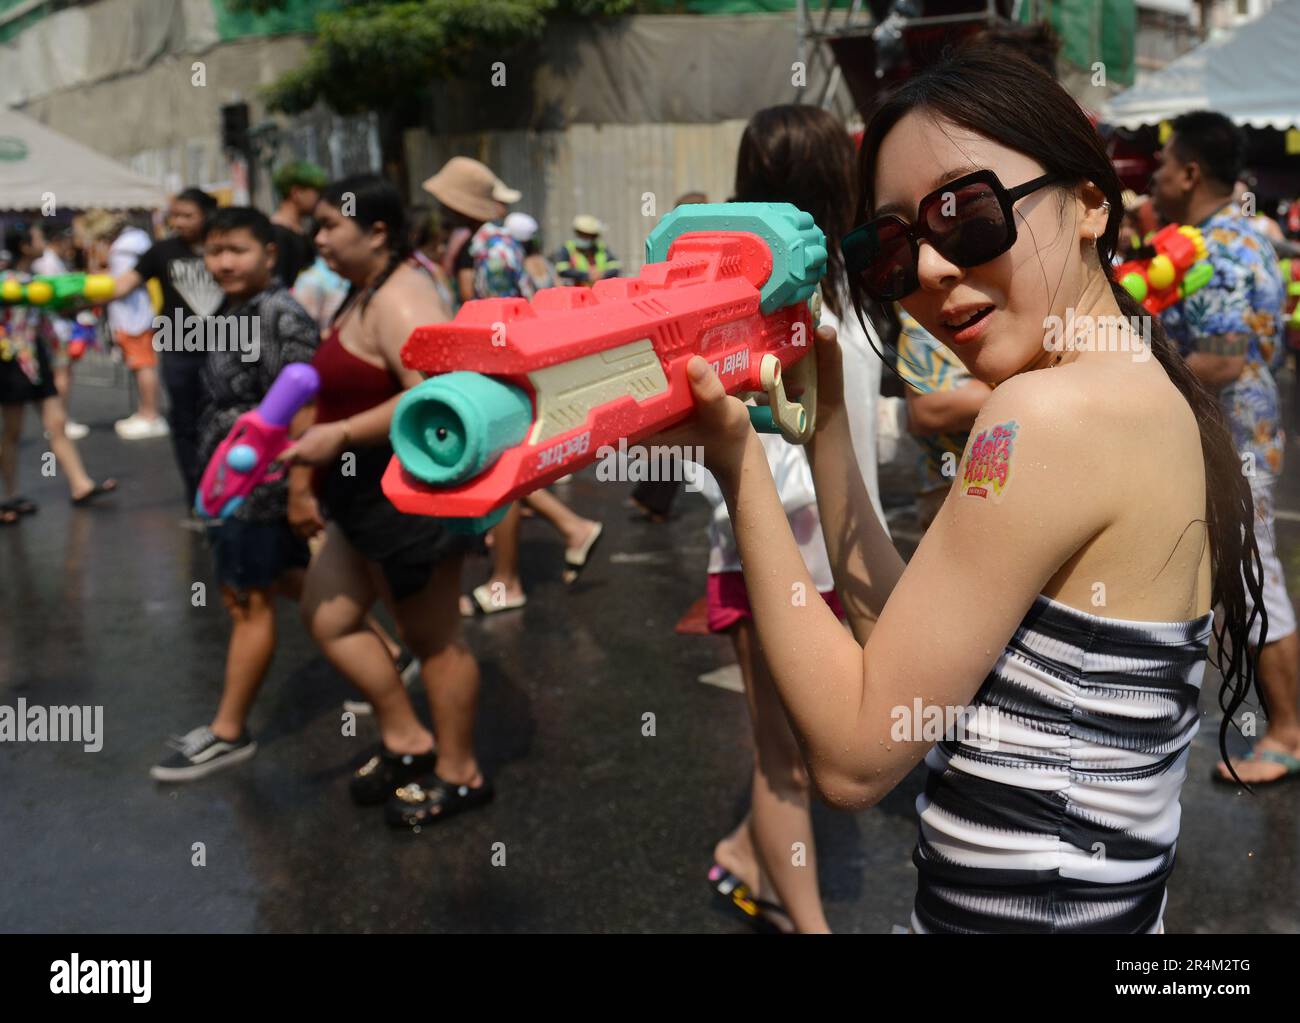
(1176, 268)
(530, 392)
(256, 440)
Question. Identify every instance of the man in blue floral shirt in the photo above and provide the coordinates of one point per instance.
(1229, 332)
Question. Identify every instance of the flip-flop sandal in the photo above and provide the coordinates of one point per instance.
(1273, 756)
(20, 505)
(99, 490)
(483, 604)
(576, 561)
(739, 897)
(8, 517)
(426, 802)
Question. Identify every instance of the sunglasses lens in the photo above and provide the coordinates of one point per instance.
(966, 225)
(888, 265)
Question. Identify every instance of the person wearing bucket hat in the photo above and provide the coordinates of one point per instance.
(471, 196)
(584, 259)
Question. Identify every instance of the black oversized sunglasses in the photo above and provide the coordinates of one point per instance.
(968, 221)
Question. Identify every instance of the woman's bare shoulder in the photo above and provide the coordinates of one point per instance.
(408, 300)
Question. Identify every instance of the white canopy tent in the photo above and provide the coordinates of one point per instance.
(37, 162)
(1251, 76)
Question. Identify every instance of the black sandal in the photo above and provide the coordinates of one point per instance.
(379, 777)
(426, 802)
(19, 506)
(758, 913)
(8, 517)
(98, 490)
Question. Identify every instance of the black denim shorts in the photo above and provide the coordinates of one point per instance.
(253, 555)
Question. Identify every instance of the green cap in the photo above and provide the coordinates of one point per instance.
(299, 172)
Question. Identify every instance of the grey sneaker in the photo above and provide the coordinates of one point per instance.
(199, 753)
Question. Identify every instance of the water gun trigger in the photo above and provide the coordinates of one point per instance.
(793, 419)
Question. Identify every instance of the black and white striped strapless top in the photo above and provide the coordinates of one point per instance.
(1055, 809)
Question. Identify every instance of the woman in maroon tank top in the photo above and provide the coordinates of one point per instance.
(370, 550)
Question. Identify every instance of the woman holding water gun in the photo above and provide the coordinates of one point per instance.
(370, 550)
(1055, 619)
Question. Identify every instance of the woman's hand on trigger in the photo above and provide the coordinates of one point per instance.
(720, 424)
(319, 445)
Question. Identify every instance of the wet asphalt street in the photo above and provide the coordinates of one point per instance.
(603, 829)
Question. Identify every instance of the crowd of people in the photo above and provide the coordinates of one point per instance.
(981, 203)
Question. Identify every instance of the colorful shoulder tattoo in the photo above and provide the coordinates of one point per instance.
(988, 466)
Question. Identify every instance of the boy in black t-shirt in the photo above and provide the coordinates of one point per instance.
(188, 291)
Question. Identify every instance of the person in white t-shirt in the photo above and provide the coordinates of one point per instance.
(767, 866)
(55, 259)
(130, 318)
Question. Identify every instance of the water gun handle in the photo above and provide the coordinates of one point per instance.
(244, 459)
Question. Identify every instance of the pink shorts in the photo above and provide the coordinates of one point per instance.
(729, 600)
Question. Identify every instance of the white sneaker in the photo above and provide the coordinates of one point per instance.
(137, 427)
(75, 431)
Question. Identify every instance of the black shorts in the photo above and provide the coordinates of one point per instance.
(16, 389)
(253, 555)
(405, 547)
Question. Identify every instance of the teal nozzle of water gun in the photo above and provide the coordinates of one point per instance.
(453, 427)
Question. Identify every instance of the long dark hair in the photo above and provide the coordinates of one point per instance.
(369, 199)
(802, 155)
(1004, 97)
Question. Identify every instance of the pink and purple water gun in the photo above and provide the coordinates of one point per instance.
(257, 439)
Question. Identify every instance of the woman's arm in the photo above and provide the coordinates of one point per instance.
(863, 559)
(949, 614)
(406, 303)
